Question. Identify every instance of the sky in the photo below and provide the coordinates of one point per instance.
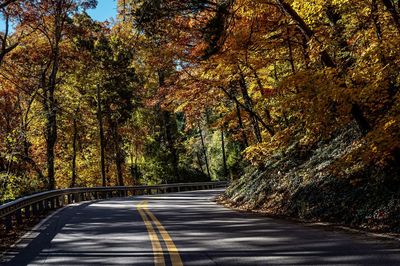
(105, 9)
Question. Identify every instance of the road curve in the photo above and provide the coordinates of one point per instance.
(187, 229)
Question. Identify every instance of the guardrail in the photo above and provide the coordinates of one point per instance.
(38, 203)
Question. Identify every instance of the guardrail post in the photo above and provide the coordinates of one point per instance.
(41, 206)
(27, 211)
(34, 209)
(58, 201)
(52, 203)
(8, 222)
(74, 197)
(18, 216)
(69, 200)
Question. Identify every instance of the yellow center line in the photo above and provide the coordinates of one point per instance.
(155, 242)
(172, 249)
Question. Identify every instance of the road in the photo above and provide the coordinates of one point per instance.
(188, 229)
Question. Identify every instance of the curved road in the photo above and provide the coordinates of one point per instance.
(187, 229)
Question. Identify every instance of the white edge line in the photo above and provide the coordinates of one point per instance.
(4, 259)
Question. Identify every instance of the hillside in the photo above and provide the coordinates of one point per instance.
(307, 186)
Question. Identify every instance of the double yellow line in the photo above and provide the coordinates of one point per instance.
(149, 218)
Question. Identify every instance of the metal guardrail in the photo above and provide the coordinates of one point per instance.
(35, 204)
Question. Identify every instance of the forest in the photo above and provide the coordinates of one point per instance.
(295, 102)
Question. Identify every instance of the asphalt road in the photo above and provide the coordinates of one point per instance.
(188, 229)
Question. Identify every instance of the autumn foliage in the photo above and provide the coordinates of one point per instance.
(197, 90)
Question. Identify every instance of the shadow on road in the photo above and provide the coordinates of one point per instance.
(111, 232)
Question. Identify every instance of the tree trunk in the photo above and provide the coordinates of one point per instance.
(249, 103)
(241, 127)
(305, 29)
(393, 12)
(51, 138)
(101, 138)
(118, 156)
(199, 162)
(223, 153)
(248, 110)
(50, 102)
(170, 129)
(74, 151)
(305, 53)
(290, 48)
(26, 144)
(4, 48)
(362, 122)
(204, 152)
(134, 166)
(375, 18)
